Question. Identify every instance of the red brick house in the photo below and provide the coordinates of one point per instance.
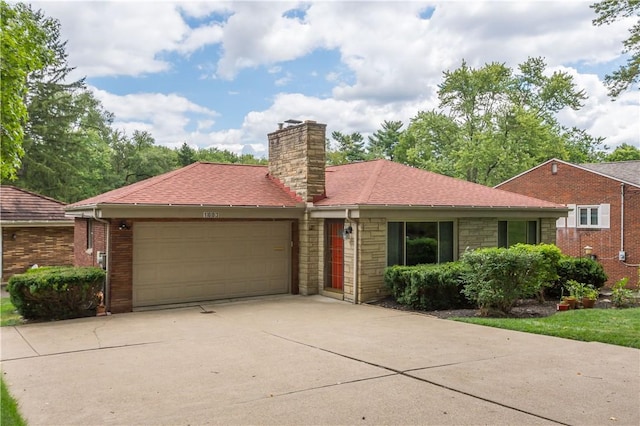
(220, 231)
(34, 231)
(604, 199)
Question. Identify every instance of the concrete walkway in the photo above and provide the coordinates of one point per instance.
(310, 360)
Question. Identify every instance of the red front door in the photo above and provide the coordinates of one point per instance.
(334, 254)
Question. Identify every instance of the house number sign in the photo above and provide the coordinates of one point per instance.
(210, 215)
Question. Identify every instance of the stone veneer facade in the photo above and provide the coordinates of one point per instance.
(297, 159)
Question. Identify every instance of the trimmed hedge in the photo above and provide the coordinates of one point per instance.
(427, 287)
(580, 269)
(58, 292)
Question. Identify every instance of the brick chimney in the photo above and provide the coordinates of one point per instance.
(297, 158)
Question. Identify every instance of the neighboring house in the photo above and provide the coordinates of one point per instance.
(219, 231)
(604, 199)
(34, 232)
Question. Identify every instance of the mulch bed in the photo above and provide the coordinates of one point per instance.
(529, 308)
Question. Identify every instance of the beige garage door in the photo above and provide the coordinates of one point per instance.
(187, 262)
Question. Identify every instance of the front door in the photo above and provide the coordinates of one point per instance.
(334, 255)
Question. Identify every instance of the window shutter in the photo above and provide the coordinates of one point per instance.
(604, 216)
(571, 219)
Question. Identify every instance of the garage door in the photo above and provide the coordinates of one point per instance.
(187, 262)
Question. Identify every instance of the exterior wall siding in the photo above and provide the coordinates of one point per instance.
(475, 233)
(40, 246)
(573, 185)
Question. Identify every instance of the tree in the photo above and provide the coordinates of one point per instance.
(137, 158)
(350, 148)
(383, 142)
(494, 123)
(23, 49)
(612, 10)
(624, 152)
(186, 155)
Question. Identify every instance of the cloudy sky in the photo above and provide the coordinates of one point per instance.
(224, 74)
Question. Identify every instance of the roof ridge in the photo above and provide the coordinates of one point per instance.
(35, 194)
(366, 192)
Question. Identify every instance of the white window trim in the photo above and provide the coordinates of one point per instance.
(573, 220)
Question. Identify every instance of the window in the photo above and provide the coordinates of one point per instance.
(588, 216)
(89, 234)
(413, 243)
(512, 232)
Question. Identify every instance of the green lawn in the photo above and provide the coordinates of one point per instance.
(615, 326)
(9, 414)
(8, 315)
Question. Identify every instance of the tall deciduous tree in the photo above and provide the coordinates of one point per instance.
(23, 49)
(494, 123)
(624, 152)
(628, 74)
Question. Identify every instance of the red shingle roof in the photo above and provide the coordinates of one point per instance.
(383, 182)
(18, 204)
(208, 184)
(373, 183)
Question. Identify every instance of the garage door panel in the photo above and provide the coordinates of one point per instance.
(184, 262)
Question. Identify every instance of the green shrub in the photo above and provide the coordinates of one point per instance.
(56, 292)
(422, 250)
(622, 297)
(497, 277)
(548, 267)
(580, 269)
(427, 287)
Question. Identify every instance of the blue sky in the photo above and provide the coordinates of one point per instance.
(224, 74)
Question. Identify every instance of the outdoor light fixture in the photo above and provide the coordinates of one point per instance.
(347, 232)
(588, 251)
(123, 226)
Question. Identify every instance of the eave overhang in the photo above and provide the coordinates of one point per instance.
(201, 211)
(416, 212)
(35, 223)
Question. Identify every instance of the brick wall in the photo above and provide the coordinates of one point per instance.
(27, 246)
(297, 159)
(573, 185)
(120, 267)
(83, 255)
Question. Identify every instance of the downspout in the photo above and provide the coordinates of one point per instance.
(107, 288)
(621, 216)
(354, 236)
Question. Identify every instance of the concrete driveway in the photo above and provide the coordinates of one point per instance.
(310, 360)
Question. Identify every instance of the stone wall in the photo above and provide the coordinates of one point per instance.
(477, 232)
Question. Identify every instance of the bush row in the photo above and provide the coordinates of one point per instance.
(58, 292)
(492, 279)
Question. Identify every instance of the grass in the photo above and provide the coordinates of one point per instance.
(9, 414)
(614, 326)
(8, 315)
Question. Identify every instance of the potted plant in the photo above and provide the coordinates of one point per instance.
(563, 305)
(576, 292)
(590, 296)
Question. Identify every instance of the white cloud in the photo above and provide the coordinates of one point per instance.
(391, 60)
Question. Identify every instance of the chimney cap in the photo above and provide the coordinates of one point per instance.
(293, 122)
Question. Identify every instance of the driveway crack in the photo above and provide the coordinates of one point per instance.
(406, 373)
